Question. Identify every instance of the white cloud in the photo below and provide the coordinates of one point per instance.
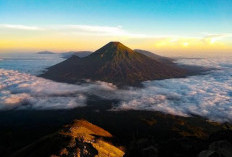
(205, 95)
(20, 27)
(89, 28)
(212, 38)
(116, 31)
(14, 99)
(21, 90)
(93, 30)
(86, 30)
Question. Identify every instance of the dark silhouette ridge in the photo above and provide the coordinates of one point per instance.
(45, 52)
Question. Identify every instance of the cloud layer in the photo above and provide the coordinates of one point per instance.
(207, 95)
(24, 91)
(21, 27)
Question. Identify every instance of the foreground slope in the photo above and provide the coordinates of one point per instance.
(139, 132)
(80, 138)
(113, 63)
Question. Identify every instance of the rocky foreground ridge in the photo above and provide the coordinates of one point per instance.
(79, 139)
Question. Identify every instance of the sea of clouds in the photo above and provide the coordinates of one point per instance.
(208, 95)
(25, 91)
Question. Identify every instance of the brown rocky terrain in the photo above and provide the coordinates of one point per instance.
(141, 133)
(79, 139)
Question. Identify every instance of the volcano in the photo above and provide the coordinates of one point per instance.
(114, 63)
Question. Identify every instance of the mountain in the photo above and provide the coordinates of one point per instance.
(45, 52)
(154, 56)
(113, 63)
(69, 54)
(80, 138)
(80, 54)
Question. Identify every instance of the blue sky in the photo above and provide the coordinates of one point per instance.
(187, 18)
(146, 15)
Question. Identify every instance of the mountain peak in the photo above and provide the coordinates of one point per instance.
(114, 47)
(116, 44)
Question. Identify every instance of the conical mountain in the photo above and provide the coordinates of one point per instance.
(114, 49)
(113, 63)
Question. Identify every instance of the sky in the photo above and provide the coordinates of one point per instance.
(168, 27)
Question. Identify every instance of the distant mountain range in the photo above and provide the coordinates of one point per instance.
(46, 52)
(68, 54)
(80, 54)
(114, 63)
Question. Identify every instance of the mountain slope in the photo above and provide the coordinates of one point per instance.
(154, 56)
(113, 63)
(80, 138)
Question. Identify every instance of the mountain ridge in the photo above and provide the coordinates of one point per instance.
(154, 56)
(46, 52)
(80, 138)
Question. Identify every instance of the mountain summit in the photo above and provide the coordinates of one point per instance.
(114, 48)
(113, 63)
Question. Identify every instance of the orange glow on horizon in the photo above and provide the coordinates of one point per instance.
(32, 41)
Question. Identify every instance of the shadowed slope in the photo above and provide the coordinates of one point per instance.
(155, 56)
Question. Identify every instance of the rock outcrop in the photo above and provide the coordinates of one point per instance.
(79, 139)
